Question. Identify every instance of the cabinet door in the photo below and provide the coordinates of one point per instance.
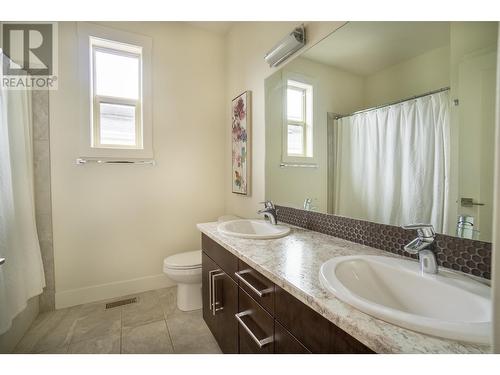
(285, 343)
(223, 258)
(209, 267)
(225, 301)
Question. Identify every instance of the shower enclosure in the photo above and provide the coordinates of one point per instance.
(21, 269)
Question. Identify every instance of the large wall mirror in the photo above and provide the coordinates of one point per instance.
(391, 122)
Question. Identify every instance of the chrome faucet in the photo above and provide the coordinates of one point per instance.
(269, 212)
(307, 204)
(419, 245)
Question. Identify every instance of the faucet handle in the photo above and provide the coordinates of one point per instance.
(423, 230)
(268, 204)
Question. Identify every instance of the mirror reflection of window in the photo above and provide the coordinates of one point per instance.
(299, 97)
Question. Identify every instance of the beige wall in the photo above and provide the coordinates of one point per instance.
(426, 72)
(247, 43)
(114, 224)
(335, 91)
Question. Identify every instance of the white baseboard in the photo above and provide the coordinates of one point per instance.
(116, 289)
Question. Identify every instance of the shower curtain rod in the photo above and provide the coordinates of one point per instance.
(392, 103)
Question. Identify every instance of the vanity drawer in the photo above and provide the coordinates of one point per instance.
(226, 261)
(285, 343)
(256, 285)
(309, 327)
(255, 326)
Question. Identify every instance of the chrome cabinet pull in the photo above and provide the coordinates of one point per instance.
(210, 288)
(260, 293)
(260, 343)
(2, 261)
(216, 303)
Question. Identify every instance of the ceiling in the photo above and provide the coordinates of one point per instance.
(219, 27)
(365, 48)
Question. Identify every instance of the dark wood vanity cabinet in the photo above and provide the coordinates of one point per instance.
(220, 304)
(256, 326)
(259, 287)
(285, 343)
(208, 266)
(310, 328)
(247, 313)
(343, 343)
(313, 331)
(223, 258)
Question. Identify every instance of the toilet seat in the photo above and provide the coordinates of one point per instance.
(183, 261)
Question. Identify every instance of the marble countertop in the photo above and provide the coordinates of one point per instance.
(293, 263)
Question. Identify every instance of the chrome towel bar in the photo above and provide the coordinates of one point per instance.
(83, 161)
(284, 165)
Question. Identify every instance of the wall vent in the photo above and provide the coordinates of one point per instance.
(121, 302)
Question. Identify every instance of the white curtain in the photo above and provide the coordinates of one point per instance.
(21, 276)
(392, 163)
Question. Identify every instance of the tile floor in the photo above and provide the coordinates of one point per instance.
(152, 325)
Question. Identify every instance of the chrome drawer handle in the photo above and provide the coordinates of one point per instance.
(260, 343)
(260, 293)
(2, 261)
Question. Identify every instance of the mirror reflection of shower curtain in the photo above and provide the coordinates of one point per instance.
(391, 164)
(21, 276)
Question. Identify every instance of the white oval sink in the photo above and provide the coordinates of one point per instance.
(447, 305)
(252, 229)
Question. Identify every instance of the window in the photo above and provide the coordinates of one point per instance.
(115, 84)
(116, 87)
(299, 119)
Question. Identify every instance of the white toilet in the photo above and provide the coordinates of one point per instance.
(185, 269)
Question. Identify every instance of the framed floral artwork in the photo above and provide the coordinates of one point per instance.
(241, 137)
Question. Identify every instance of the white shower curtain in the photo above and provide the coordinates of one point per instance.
(392, 163)
(21, 276)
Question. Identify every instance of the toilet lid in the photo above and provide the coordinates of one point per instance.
(187, 260)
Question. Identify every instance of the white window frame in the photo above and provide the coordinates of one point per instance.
(96, 37)
(120, 49)
(299, 82)
(301, 123)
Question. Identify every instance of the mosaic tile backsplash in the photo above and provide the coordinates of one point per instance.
(468, 256)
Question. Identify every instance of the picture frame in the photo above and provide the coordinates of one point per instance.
(241, 126)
